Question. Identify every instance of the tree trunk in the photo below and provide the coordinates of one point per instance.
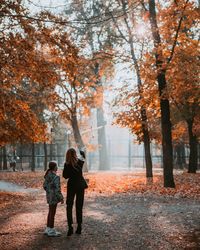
(166, 134)
(193, 158)
(69, 140)
(198, 164)
(33, 157)
(147, 149)
(78, 139)
(164, 103)
(21, 155)
(45, 156)
(5, 165)
(51, 151)
(76, 132)
(1, 158)
(145, 129)
(179, 153)
(103, 153)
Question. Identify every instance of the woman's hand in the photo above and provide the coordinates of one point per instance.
(82, 153)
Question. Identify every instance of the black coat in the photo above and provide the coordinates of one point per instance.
(74, 174)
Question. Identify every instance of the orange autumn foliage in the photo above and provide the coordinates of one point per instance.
(109, 183)
(182, 76)
(25, 75)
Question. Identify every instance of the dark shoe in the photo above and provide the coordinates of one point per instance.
(78, 230)
(70, 231)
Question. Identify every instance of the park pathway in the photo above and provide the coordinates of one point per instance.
(120, 221)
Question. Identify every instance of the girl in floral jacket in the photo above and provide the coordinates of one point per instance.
(54, 196)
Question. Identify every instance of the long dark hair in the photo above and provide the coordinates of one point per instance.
(52, 167)
(71, 157)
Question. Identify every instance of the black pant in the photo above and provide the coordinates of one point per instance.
(51, 215)
(71, 193)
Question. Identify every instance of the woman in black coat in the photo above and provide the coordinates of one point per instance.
(75, 187)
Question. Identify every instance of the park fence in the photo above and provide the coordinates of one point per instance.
(126, 157)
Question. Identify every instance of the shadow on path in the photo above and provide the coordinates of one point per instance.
(123, 221)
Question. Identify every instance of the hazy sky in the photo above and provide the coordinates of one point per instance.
(122, 71)
(55, 6)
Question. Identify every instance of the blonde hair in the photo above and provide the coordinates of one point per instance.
(71, 157)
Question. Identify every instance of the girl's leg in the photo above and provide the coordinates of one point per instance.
(51, 215)
(48, 217)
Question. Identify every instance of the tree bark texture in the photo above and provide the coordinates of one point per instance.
(166, 134)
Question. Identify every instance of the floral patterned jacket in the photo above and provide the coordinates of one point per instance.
(52, 187)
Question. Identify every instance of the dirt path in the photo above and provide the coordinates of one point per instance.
(121, 221)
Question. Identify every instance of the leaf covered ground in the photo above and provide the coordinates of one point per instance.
(121, 211)
(187, 185)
